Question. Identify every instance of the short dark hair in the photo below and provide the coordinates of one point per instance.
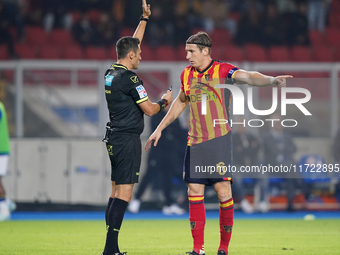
(125, 44)
(201, 39)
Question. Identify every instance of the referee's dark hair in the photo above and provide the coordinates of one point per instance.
(125, 44)
(201, 39)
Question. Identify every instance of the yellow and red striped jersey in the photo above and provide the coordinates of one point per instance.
(194, 84)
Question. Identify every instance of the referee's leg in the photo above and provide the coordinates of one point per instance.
(120, 196)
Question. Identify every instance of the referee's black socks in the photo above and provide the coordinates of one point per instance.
(114, 218)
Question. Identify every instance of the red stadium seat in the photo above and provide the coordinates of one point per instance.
(301, 54)
(324, 54)
(49, 52)
(112, 53)
(127, 32)
(279, 54)
(181, 53)
(25, 51)
(147, 53)
(4, 52)
(316, 38)
(229, 53)
(165, 53)
(36, 36)
(220, 37)
(96, 53)
(333, 36)
(72, 52)
(255, 53)
(61, 37)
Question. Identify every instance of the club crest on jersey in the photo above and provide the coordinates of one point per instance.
(207, 76)
(192, 224)
(141, 91)
(134, 79)
(228, 229)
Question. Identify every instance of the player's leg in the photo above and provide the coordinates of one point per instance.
(223, 190)
(197, 215)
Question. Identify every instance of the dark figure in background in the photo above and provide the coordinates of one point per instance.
(246, 153)
(159, 31)
(84, 32)
(298, 27)
(5, 35)
(249, 28)
(279, 149)
(163, 165)
(108, 31)
(271, 26)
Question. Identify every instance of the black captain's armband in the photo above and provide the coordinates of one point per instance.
(109, 132)
(162, 103)
(230, 77)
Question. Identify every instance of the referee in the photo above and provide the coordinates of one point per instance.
(127, 102)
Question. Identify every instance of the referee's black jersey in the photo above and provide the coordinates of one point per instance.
(124, 91)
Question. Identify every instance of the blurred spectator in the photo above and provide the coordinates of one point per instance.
(213, 14)
(272, 29)
(279, 149)
(34, 14)
(84, 32)
(249, 28)
(317, 13)
(108, 31)
(5, 35)
(15, 10)
(246, 153)
(159, 31)
(57, 15)
(299, 27)
(162, 167)
(181, 29)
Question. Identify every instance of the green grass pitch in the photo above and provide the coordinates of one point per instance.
(170, 237)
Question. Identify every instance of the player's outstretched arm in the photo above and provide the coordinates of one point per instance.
(260, 80)
(139, 33)
(175, 110)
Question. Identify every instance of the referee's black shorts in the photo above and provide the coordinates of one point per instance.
(210, 153)
(125, 151)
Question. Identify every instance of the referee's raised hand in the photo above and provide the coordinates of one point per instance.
(146, 9)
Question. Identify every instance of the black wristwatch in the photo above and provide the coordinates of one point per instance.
(142, 18)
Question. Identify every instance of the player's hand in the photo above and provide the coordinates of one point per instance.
(154, 137)
(280, 80)
(146, 9)
(168, 96)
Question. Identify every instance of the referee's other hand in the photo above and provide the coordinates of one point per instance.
(168, 96)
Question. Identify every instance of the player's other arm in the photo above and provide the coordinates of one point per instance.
(175, 110)
(258, 79)
(139, 33)
(151, 109)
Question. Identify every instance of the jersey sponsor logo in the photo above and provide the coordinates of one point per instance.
(141, 91)
(134, 79)
(107, 91)
(108, 80)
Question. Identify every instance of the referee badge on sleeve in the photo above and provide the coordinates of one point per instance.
(141, 91)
